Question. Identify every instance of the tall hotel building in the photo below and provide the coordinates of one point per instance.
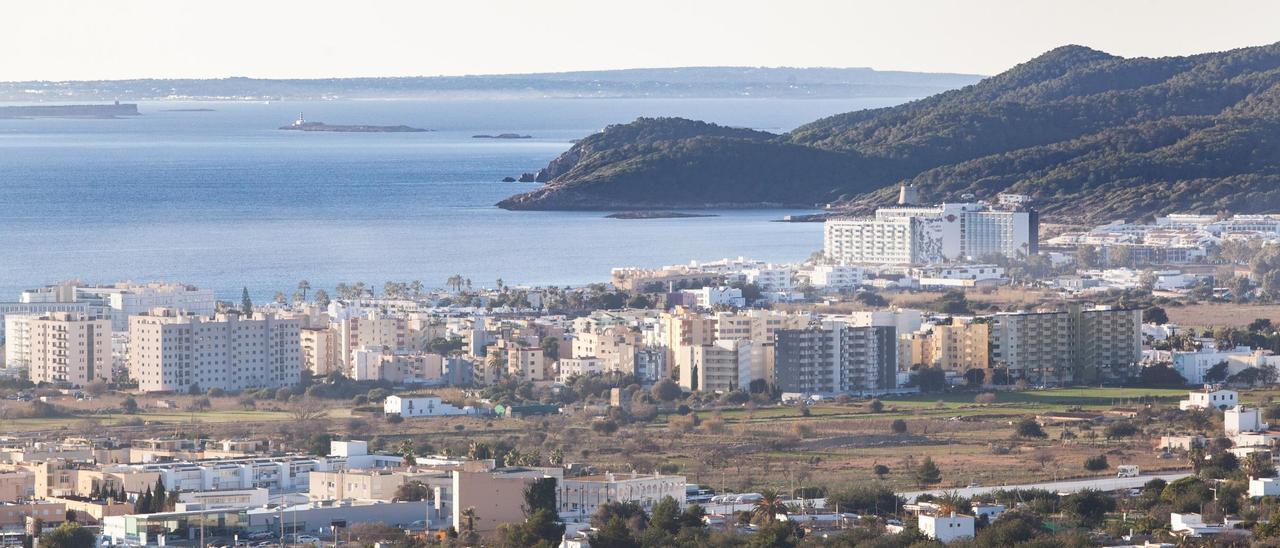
(919, 235)
(170, 351)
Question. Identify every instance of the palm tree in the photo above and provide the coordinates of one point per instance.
(415, 287)
(468, 526)
(454, 281)
(304, 286)
(768, 507)
(499, 284)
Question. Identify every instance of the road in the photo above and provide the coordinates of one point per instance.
(1105, 483)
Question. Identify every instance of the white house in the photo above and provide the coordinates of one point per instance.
(1210, 398)
(710, 297)
(1193, 525)
(1194, 365)
(421, 406)
(1243, 419)
(947, 528)
(1264, 487)
(991, 511)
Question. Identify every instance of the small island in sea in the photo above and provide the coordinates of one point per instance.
(301, 124)
(114, 110)
(656, 215)
(503, 136)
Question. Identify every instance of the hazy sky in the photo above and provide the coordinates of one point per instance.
(91, 39)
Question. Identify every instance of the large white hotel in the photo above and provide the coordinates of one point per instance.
(919, 235)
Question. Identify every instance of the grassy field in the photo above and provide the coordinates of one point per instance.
(1221, 315)
(733, 448)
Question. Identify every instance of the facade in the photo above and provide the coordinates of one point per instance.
(1070, 346)
(383, 364)
(68, 349)
(717, 367)
(961, 346)
(170, 351)
(320, 350)
(528, 364)
(921, 235)
(836, 359)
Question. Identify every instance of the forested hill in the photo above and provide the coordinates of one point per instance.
(1087, 134)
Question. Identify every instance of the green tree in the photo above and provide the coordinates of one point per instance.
(540, 494)
(665, 515)
(68, 535)
(1088, 506)
(928, 473)
(614, 534)
(246, 304)
(1087, 256)
(160, 502)
(129, 405)
(1155, 315)
(880, 471)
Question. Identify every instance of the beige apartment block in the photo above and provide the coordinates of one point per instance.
(71, 349)
(170, 351)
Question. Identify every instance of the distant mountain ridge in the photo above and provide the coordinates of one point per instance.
(691, 82)
(1089, 135)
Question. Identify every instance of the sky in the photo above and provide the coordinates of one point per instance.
(94, 39)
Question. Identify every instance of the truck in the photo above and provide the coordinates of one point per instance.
(1127, 471)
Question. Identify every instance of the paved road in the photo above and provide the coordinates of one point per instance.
(1101, 484)
(1106, 483)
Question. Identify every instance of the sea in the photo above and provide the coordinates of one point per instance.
(213, 194)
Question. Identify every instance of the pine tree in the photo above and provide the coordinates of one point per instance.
(928, 473)
(143, 504)
(246, 304)
(158, 504)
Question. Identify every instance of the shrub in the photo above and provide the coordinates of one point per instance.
(395, 418)
(898, 426)
(876, 405)
(1029, 428)
(1096, 463)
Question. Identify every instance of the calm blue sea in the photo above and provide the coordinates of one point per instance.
(222, 199)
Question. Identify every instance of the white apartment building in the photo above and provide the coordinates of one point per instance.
(171, 352)
(770, 278)
(837, 277)
(68, 349)
(578, 367)
(129, 299)
(711, 297)
(40, 308)
(581, 496)
(918, 235)
(17, 344)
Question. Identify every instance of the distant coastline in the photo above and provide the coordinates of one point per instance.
(657, 215)
(70, 111)
(321, 126)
